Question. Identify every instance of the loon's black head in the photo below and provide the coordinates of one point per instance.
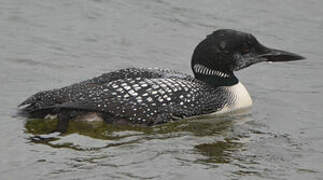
(226, 50)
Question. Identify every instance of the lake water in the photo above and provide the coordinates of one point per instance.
(47, 44)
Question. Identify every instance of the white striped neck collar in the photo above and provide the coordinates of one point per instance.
(201, 69)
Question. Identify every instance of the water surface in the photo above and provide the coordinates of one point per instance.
(47, 44)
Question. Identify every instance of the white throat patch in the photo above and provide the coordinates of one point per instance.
(201, 69)
(239, 99)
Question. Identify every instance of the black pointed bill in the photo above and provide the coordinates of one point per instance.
(275, 55)
(264, 54)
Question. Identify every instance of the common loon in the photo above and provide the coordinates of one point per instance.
(152, 96)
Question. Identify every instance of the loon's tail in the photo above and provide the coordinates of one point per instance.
(36, 106)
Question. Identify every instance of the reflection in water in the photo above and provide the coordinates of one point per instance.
(101, 130)
(216, 139)
(218, 152)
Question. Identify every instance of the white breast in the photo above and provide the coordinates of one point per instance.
(240, 99)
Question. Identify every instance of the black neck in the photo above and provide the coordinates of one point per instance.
(217, 81)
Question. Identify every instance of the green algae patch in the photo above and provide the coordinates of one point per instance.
(99, 130)
(102, 130)
(41, 126)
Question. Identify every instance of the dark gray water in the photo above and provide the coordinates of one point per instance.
(47, 44)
